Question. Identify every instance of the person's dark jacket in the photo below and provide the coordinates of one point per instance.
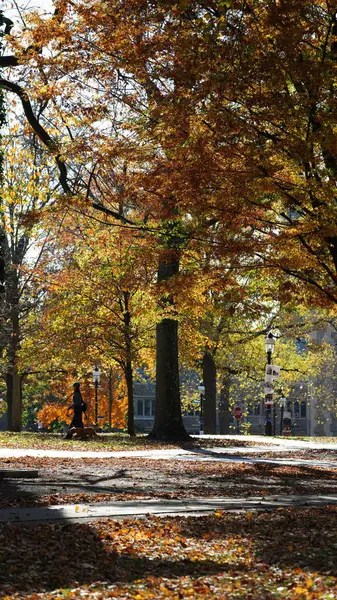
(77, 407)
(77, 399)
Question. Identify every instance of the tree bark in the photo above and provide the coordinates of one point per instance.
(209, 379)
(2, 264)
(168, 424)
(110, 398)
(14, 401)
(17, 403)
(131, 410)
(9, 399)
(224, 405)
(128, 366)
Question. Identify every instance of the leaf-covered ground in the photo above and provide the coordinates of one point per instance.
(316, 439)
(325, 454)
(110, 442)
(286, 553)
(65, 480)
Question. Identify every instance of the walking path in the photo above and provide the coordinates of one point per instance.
(142, 508)
(225, 454)
(284, 443)
(118, 510)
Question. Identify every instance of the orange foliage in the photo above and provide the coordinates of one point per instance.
(51, 411)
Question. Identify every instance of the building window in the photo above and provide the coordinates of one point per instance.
(146, 407)
(254, 410)
(191, 413)
(303, 409)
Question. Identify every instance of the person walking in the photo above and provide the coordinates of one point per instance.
(79, 407)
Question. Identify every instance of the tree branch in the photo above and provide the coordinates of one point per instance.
(42, 134)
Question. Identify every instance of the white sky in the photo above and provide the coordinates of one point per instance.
(12, 9)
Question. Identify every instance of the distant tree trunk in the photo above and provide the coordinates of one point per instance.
(128, 366)
(224, 405)
(14, 400)
(110, 398)
(209, 379)
(3, 263)
(168, 424)
(2, 266)
(131, 410)
(2, 233)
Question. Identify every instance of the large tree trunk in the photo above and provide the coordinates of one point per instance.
(168, 423)
(9, 399)
(224, 405)
(14, 401)
(209, 379)
(17, 403)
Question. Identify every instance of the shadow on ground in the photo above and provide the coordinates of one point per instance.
(47, 557)
(284, 537)
(71, 482)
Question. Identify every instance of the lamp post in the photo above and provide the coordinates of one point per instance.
(269, 344)
(201, 390)
(96, 375)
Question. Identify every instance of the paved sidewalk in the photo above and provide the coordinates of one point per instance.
(268, 444)
(218, 454)
(227, 455)
(232, 454)
(288, 442)
(141, 508)
(283, 443)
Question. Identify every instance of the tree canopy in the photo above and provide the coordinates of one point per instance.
(204, 132)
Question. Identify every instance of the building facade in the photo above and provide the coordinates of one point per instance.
(145, 408)
(301, 406)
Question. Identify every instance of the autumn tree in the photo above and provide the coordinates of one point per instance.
(25, 193)
(217, 119)
(98, 308)
(162, 149)
(55, 398)
(2, 123)
(280, 101)
(2, 234)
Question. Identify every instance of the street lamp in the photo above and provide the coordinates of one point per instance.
(96, 375)
(201, 390)
(270, 345)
